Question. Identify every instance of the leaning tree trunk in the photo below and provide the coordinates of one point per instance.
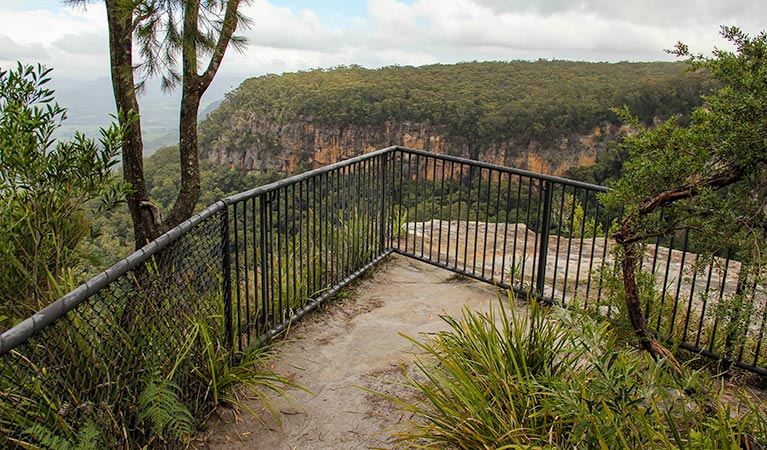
(193, 87)
(146, 221)
(630, 264)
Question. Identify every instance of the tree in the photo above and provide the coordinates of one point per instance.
(47, 189)
(709, 176)
(163, 30)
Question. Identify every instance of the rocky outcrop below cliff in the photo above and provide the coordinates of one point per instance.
(257, 145)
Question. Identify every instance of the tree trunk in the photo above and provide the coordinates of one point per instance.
(629, 266)
(146, 224)
(189, 193)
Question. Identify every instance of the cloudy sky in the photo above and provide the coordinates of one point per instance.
(289, 35)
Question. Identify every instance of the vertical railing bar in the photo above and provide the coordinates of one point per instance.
(497, 220)
(476, 221)
(407, 224)
(330, 241)
(403, 202)
(351, 244)
(527, 233)
(559, 240)
(367, 176)
(246, 269)
(459, 193)
(654, 261)
(334, 219)
(433, 200)
(450, 216)
(257, 262)
(314, 239)
(273, 288)
(265, 257)
(237, 270)
(417, 219)
(722, 282)
(705, 301)
(468, 216)
(362, 216)
(759, 340)
(303, 240)
(594, 233)
(382, 161)
(743, 341)
(296, 255)
(226, 270)
(536, 241)
(442, 213)
(487, 219)
(580, 244)
(516, 234)
(280, 254)
(327, 251)
(345, 230)
(678, 284)
(571, 226)
(664, 290)
(544, 242)
(506, 227)
(343, 253)
(372, 172)
(691, 298)
(604, 263)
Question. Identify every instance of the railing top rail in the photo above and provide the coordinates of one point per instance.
(19, 333)
(524, 173)
(16, 336)
(246, 195)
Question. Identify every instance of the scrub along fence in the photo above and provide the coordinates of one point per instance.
(247, 266)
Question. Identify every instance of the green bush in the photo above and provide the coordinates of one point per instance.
(555, 378)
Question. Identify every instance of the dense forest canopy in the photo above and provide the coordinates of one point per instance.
(482, 102)
(485, 101)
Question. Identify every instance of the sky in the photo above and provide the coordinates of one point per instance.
(292, 35)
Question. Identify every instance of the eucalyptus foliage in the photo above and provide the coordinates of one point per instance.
(50, 190)
(709, 177)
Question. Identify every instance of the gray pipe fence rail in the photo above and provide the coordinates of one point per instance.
(248, 266)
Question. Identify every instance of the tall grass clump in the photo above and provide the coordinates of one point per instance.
(137, 370)
(554, 378)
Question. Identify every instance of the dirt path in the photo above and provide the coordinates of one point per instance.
(353, 343)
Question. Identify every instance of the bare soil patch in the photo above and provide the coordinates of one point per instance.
(347, 348)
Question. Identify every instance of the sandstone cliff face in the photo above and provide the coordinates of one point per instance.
(260, 145)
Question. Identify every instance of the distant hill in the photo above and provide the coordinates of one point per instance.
(548, 116)
(90, 103)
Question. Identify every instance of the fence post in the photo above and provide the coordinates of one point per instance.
(543, 233)
(382, 231)
(264, 248)
(227, 278)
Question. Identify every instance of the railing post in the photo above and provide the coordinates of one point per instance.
(264, 247)
(382, 230)
(543, 233)
(227, 278)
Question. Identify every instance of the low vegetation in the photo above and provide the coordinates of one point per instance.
(556, 378)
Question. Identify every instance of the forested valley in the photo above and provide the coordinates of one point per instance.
(470, 107)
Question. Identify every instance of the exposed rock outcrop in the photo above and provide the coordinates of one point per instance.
(259, 145)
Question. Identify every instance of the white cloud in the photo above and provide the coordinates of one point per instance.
(405, 32)
(73, 41)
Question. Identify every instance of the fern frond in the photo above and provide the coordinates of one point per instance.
(160, 406)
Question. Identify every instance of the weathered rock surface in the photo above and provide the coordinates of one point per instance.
(258, 145)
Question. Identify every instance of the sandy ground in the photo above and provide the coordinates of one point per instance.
(350, 345)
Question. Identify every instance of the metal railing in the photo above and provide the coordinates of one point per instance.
(249, 265)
